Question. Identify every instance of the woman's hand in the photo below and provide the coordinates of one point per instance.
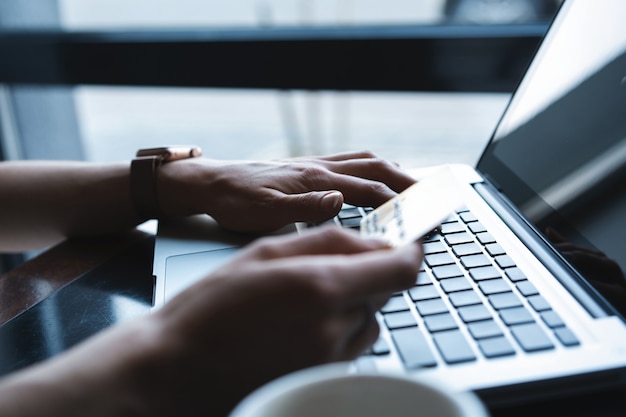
(284, 304)
(264, 196)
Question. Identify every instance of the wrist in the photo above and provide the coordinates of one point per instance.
(144, 172)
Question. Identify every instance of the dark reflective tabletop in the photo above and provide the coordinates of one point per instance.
(119, 289)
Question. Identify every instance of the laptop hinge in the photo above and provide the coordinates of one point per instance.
(573, 282)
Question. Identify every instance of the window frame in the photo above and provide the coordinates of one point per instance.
(459, 58)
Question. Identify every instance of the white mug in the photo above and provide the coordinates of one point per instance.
(332, 391)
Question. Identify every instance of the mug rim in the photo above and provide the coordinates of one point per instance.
(466, 402)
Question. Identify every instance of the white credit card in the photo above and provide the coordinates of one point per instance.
(416, 211)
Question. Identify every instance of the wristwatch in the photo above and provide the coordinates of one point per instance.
(143, 175)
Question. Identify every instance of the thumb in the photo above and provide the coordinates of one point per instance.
(315, 205)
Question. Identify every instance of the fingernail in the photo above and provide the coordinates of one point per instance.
(332, 201)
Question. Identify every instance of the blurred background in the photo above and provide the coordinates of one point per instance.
(420, 82)
(109, 122)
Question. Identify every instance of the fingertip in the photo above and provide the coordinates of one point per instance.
(331, 202)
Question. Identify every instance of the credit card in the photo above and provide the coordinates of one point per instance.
(416, 211)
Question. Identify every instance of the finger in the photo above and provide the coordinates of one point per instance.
(362, 337)
(363, 192)
(343, 281)
(356, 190)
(362, 340)
(378, 273)
(309, 207)
(321, 241)
(343, 156)
(374, 169)
(379, 301)
(340, 156)
(364, 185)
(348, 269)
(313, 206)
(352, 332)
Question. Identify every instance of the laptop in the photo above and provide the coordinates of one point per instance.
(522, 290)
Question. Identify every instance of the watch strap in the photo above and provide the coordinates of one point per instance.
(143, 176)
(143, 187)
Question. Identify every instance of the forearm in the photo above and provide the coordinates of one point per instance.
(118, 373)
(43, 202)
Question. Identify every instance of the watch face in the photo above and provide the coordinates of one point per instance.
(171, 153)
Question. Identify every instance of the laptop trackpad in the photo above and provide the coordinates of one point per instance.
(181, 271)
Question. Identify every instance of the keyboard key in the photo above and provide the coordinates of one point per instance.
(477, 227)
(430, 307)
(551, 319)
(485, 238)
(413, 348)
(484, 329)
(351, 223)
(455, 284)
(518, 315)
(394, 304)
(398, 320)
(526, 288)
(438, 259)
(474, 313)
(423, 292)
(466, 249)
(459, 238)
(504, 300)
(464, 298)
(531, 337)
(493, 286)
(453, 347)
(539, 303)
(468, 216)
(485, 272)
(447, 271)
(453, 227)
(349, 213)
(496, 347)
(495, 249)
(475, 261)
(423, 278)
(504, 261)
(566, 336)
(515, 274)
(440, 322)
(434, 247)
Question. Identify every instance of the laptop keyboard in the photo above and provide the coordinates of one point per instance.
(470, 300)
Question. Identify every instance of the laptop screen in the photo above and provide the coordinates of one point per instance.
(559, 152)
